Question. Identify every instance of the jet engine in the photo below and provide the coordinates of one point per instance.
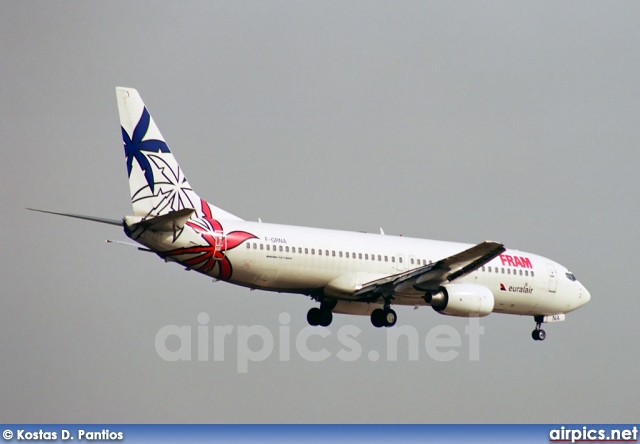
(462, 300)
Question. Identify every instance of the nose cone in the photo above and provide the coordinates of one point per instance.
(585, 296)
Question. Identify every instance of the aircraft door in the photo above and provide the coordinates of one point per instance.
(553, 282)
(400, 265)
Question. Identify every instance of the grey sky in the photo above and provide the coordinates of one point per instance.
(510, 121)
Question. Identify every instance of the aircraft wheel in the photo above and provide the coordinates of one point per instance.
(326, 316)
(378, 318)
(541, 335)
(314, 316)
(390, 318)
(538, 335)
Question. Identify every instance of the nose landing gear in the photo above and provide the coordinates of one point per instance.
(538, 334)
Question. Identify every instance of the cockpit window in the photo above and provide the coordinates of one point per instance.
(570, 276)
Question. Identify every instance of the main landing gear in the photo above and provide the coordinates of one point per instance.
(319, 316)
(538, 334)
(380, 317)
(384, 317)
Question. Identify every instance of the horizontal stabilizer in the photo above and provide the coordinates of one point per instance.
(172, 221)
(102, 220)
(128, 244)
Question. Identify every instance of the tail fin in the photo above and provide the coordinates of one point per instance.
(158, 185)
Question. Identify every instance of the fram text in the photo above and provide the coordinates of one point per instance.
(515, 261)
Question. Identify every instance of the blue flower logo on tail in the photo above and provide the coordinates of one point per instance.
(133, 147)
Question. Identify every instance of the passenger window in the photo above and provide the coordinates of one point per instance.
(386, 258)
(531, 273)
(268, 247)
(526, 272)
(340, 253)
(366, 256)
(503, 271)
(280, 247)
(359, 255)
(489, 269)
(306, 251)
(380, 258)
(508, 270)
(400, 259)
(248, 245)
(326, 253)
(333, 253)
(347, 253)
(261, 246)
(300, 250)
(286, 249)
(482, 268)
(313, 251)
(520, 272)
(411, 261)
(393, 259)
(319, 252)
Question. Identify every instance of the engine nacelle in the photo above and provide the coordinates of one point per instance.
(463, 300)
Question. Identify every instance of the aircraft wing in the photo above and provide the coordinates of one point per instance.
(431, 276)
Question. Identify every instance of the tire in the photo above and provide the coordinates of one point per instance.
(314, 316)
(377, 318)
(541, 335)
(326, 316)
(390, 318)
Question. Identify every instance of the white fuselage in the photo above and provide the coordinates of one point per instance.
(304, 260)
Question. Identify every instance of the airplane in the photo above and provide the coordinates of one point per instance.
(344, 272)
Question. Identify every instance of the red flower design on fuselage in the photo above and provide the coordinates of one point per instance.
(207, 256)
